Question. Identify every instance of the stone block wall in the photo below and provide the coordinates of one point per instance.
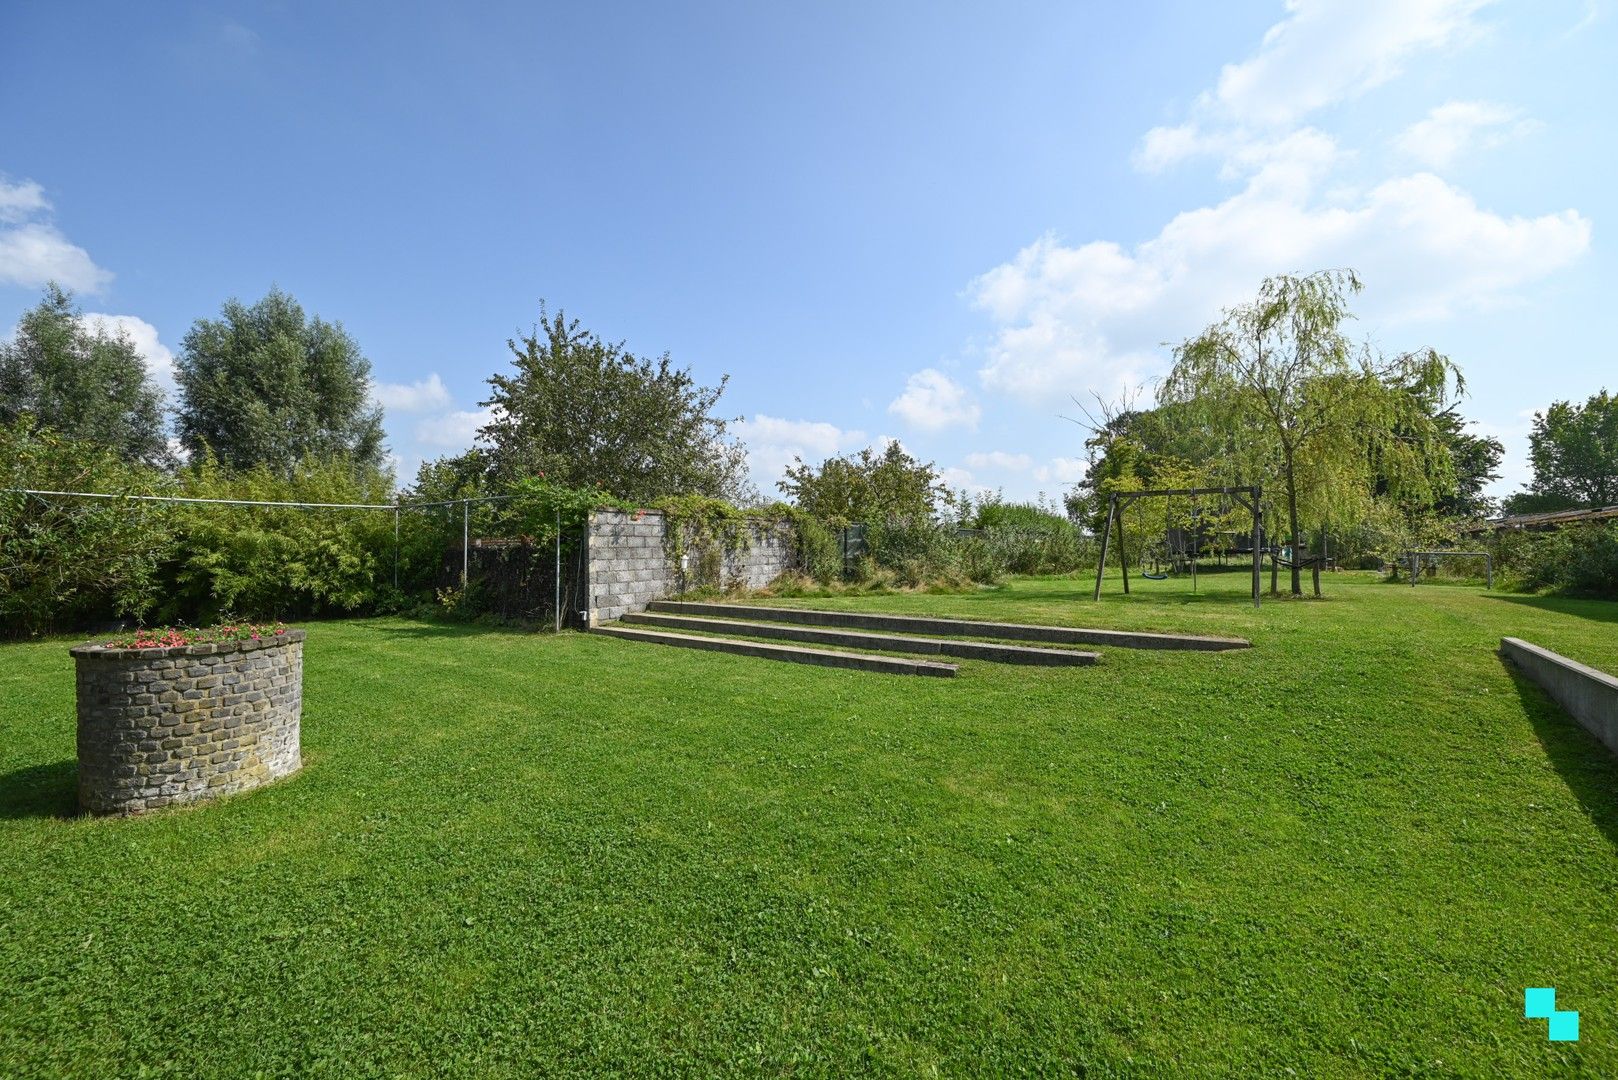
(628, 564)
(187, 722)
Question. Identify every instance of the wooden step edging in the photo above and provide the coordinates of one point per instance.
(892, 665)
(965, 650)
(1052, 635)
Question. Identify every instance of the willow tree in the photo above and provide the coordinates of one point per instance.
(266, 385)
(1314, 414)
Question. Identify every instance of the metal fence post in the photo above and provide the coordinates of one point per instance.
(466, 537)
(558, 569)
(396, 548)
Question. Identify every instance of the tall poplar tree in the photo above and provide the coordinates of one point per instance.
(266, 385)
(88, 383)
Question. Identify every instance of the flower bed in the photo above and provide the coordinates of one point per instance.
(175, 715)
(166, 636)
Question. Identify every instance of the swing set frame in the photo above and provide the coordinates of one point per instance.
(1250, 497)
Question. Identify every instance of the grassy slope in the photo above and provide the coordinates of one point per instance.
(1345, 851)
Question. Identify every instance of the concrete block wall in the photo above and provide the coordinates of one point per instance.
(186, 722)
(628, 566)
(1588, 695)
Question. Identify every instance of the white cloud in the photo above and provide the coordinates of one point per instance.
(1162, 147)
(1094, 316)
(1061, 470)
(1091, 317)
(22, 200)
(773, 443)
(158, 357)
(455, 430)
(1322, 53)
(1326, 51)
(1000, 460)
(1592, 15)
(419, 396)
(33, 251)
(957, 479)
(933, 401)
(1456, 127)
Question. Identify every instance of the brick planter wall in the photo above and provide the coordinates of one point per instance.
(188, 722)
(627, 563)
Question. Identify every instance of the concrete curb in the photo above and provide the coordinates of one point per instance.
(1053, 635)
(966, 650)
(1588, 695)
(890, 665)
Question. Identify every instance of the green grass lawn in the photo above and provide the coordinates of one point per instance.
(1343, 852)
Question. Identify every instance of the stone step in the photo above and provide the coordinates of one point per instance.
(856, 639)
(912, 624)
(891, 665)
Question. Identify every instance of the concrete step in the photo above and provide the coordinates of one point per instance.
(966, 650)
(912, 624)
(892, 665)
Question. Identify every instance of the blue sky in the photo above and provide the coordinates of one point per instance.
(921, 221)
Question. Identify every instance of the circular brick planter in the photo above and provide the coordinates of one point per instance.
(186, 722)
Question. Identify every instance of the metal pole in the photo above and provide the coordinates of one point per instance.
(1106, 534)
(1258, 533)
(466, 538)
(1414, 569)
(1123, 547)
(558, 569)
(396, 548)
(1196, 542)
(1488, 567)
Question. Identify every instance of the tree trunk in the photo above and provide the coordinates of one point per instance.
(1319, 558)
(1292, 524)
(1275, 567)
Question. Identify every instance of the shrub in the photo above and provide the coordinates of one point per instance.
(820, 556)
(275, 562)
(1581, 559)
(67, 561)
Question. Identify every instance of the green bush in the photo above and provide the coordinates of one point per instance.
(65, 562)
(277, 562)
(820, 556)
(1580, 559)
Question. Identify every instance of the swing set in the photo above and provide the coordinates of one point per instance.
(1249, 498)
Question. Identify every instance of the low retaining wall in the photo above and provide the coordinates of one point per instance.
(628, 566)
(1588, 695)
(187, 722)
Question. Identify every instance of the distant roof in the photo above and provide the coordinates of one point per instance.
(1535, 521)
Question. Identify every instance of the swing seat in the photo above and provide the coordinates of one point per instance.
(1154, 577)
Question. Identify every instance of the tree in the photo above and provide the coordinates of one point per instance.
(459, 476)
(1328, 419)
(64, 561)
(865, 487)
(264, 385)
(586, 413)
(88, 384)
(1476, 464)
(1574, 451)
(1130, 448)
